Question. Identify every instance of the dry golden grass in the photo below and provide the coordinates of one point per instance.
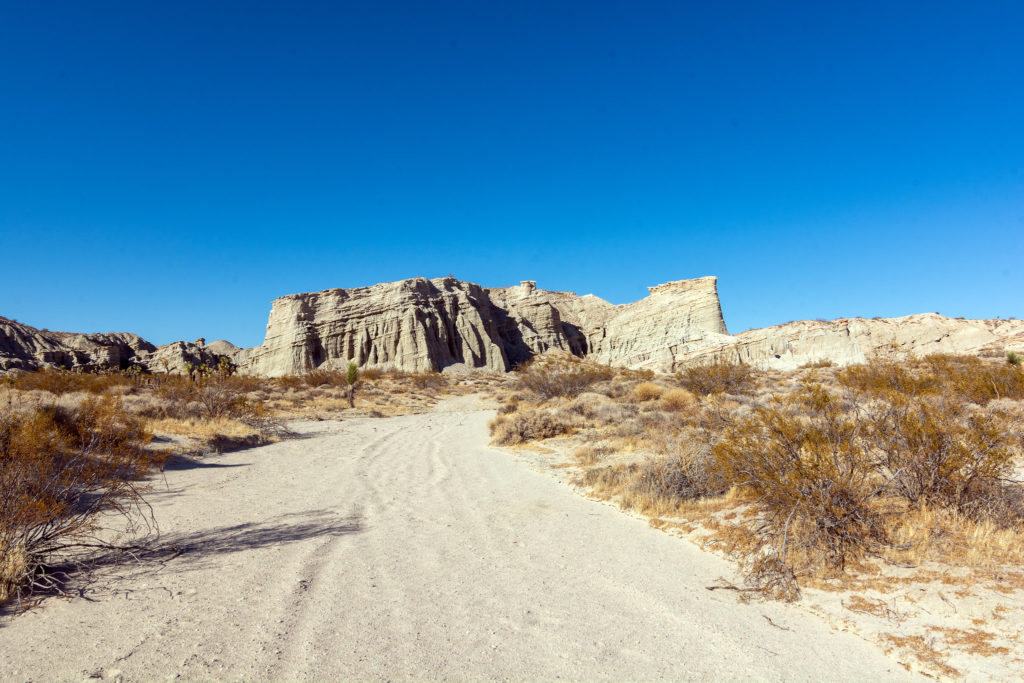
(973, 641)
(875, 608)
(203, 429)
(921, 534)
(920, 649)
(588, 455)
(14, 567)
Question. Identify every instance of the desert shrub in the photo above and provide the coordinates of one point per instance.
(612, 413)
(58, 382)
(882, 375)
(422, 380)
(548, 377)
(371, 374)
(646, 391)
(941, 451)
(590, 454)
(290, 381)
(214, 397)
(219, 397)
(803, 461)
(678, 400)
(975, 380)
(967, 377)
(176, 391)
(685, 476)
(1013, 358)
(627, 374)
(716, 378)
(508, 407)
(527, 425)
(609, 479)
(62, 472)
(589, 404)
(821, 363)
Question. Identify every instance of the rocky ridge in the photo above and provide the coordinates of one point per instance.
(421, 324)
(448, 324)
(23, 347)
(846, 341)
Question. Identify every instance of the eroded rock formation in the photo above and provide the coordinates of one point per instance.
(23, 347)
(853, 340)
(421, 324)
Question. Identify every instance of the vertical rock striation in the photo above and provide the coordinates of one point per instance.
(415, 324)
(421, 324)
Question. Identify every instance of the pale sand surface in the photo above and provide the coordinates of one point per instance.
(406, 548)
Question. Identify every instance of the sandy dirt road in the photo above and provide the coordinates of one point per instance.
(405, 548)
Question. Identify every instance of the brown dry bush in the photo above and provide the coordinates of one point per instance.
(213, 397)
(589, 454)
(968, 378)
(527, 425)
(716, 378)
(422, 380)
(58, 381)
(975, 380)
(804, 462)
(319, 377)
(665, 483)
(829, 476)
(646, 391)
(939, 451)
(679, 400)
(561, 375)
(62, 471)
(881, 376)
(371, 374)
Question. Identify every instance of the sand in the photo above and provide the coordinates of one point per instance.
(406, 548)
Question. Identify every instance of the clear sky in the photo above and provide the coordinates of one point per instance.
(169, 168)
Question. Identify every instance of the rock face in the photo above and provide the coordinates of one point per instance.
(854, 340)
(440, 324)
(421, 324)
(26, 348)
(409, 325)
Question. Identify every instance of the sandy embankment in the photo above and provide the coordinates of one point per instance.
(404, 547)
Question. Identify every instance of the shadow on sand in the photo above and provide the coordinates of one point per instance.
(113, 570)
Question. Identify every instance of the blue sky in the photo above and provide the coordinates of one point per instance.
(171, 168)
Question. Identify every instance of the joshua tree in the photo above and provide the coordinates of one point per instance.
(351, 375)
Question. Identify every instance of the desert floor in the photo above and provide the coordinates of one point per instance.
(404, 547)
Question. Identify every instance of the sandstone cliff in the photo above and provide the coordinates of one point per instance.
(421, 324)
(415, 324)
(854, 340)
(23, 347)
